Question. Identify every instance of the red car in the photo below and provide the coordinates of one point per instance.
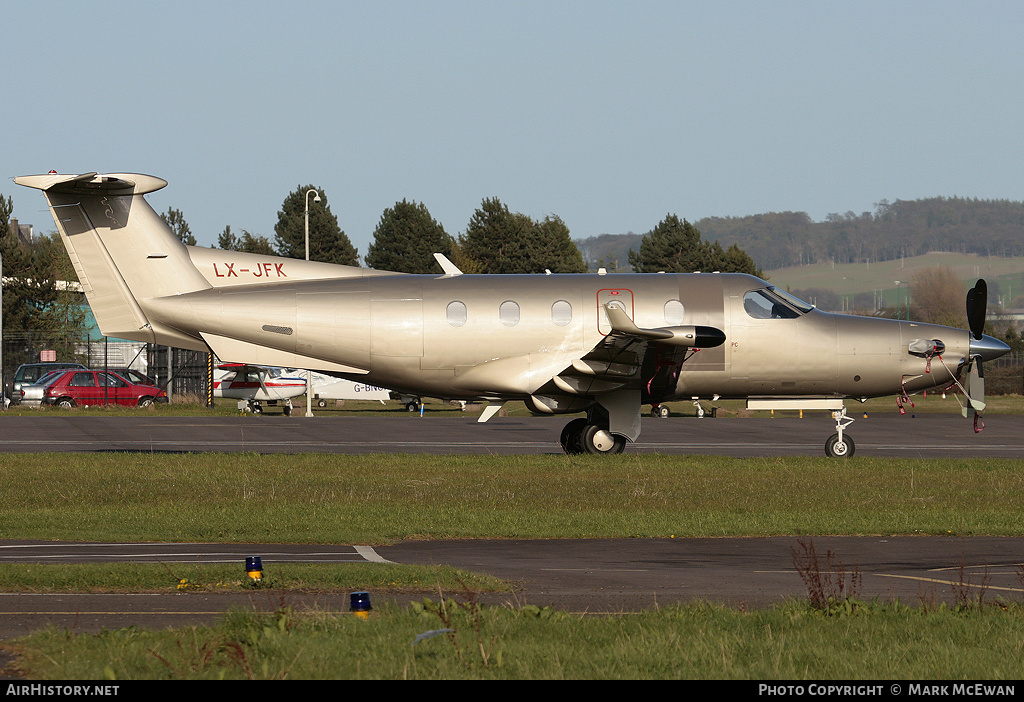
(88, 387)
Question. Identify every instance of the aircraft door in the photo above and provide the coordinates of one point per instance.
(620, 297)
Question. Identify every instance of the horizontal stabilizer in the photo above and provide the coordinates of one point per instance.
(93, 183)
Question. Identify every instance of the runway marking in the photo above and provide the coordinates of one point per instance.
(975, 567)
(949, 582)
(369, 554)
(596, 570)
(110, 614)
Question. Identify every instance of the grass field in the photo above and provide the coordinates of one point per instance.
(464, 641)
(375, 499)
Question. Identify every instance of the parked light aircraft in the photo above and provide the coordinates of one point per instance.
(254, 385)
(327, 387)
(601, 344)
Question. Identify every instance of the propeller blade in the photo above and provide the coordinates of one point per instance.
(977, 301)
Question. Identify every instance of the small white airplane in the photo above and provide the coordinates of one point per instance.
(253, 386)
(327, 388)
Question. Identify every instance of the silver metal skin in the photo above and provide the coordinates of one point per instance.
(604, 344)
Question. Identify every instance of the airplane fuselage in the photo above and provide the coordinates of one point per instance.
(502, 337)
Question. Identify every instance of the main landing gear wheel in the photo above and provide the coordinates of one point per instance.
(836, 448)
(572, 434)
(596, 439)
(580, 436)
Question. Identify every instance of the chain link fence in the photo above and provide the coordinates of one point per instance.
(185, 375)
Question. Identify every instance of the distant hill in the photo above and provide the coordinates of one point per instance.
(870, 287)
(610, 251)
(901, 229)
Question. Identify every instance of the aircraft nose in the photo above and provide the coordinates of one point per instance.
(988, 347)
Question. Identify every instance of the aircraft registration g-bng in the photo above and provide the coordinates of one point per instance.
(603, 344)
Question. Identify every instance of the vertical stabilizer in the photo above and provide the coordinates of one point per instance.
(122, 250)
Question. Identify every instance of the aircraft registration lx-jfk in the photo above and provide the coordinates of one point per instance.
(603, 344)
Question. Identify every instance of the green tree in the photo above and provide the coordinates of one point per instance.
(673, 246)
(176, 221)
(406, 239)
(553, 248)
(676, 246)
(494, 239)
(226, 240)
(498, 240)
(35, 307)
(247, 243)
(327, 242)
(29, 284)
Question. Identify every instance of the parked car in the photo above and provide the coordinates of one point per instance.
(32, 395)
(29, 373)
(72, 388)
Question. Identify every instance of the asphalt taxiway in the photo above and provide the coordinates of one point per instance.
(593, 576)
(890, 434)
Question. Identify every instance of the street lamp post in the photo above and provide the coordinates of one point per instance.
(309, 375)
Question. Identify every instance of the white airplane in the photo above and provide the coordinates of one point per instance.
(564, 344)
(253, 386)
(326, 388)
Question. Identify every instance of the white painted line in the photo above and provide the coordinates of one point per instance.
(369, 554)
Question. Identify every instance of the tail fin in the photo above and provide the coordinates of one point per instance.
(121, 249)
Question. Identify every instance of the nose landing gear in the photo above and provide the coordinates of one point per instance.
(839, 445)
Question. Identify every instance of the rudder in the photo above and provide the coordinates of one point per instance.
(121, 249)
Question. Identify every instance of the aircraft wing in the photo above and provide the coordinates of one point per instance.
(621, 368)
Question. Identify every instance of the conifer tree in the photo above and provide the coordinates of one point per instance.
(498, 240)
(327, 242)
(406, 239)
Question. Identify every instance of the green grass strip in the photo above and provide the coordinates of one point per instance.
(790, 642)
(376, 499)
(221, 577)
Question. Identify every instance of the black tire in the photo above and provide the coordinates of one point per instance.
(598, 440)
(660, 411)
(145, 401)
(839, 449)
(66, 403)
(572, 435)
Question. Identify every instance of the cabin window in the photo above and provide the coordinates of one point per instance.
(674, 312)
(508, 313)
(561, 313)
(456, 313)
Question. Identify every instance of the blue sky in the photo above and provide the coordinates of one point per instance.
(608, 114)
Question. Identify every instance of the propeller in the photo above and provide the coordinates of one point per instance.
(974, 379)
(977, 301)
